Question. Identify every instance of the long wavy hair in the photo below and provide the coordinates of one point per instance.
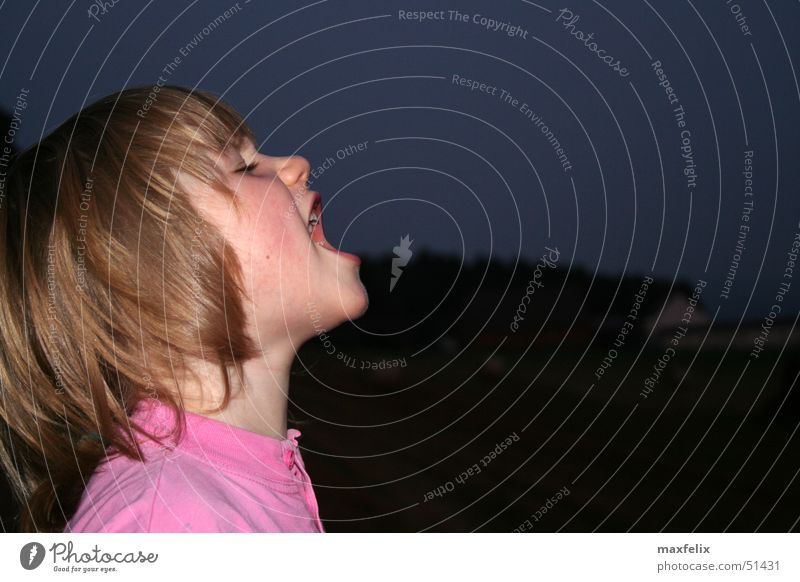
(110, 281)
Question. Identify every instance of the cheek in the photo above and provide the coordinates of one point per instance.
(274, 242)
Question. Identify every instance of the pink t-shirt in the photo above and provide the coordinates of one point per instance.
(219, 478)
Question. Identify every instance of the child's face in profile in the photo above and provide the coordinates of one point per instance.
(299, 284)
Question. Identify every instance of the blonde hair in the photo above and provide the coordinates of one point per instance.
(110, 280)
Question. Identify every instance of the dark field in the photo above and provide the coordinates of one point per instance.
(707, 451)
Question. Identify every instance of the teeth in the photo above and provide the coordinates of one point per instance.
(312, 222)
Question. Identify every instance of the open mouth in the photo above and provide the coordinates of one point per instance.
(315, 220)
(317, 234)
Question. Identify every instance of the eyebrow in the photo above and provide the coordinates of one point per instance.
(247, 144)
(233, 151)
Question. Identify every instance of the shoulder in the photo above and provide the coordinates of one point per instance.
(169, 492)
(118, 494)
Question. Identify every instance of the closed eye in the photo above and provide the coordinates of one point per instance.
(247, 168)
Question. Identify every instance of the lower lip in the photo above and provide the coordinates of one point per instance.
(350, 257)
(318, 237)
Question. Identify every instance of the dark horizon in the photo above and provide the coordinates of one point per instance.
(467, 169)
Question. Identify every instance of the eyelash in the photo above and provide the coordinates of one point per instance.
(247, 168)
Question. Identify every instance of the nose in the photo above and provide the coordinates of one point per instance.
(294, 170)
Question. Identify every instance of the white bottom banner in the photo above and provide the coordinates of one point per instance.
(354, 557)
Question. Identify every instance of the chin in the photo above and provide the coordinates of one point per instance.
(328, 311)
(360, 302)
(348, 304)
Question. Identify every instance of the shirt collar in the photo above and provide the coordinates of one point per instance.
(225, 445)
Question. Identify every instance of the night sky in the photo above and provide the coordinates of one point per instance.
(458, 117)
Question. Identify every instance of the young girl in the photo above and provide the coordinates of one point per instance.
(158, 276)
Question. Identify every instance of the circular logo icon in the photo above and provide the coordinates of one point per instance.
(31, 555)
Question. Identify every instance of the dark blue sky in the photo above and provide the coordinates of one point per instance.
(467, 171)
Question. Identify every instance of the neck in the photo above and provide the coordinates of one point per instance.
(259, 396)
